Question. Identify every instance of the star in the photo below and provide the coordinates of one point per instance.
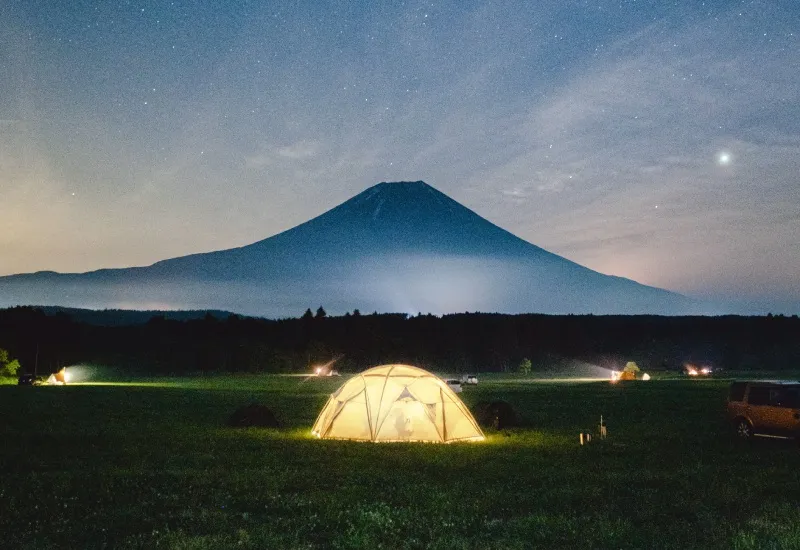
(724, 158)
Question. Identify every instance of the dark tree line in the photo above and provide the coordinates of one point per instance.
(469, 342)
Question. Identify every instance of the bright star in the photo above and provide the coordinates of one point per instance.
(724, 158)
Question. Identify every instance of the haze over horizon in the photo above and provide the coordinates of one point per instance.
(655, 142)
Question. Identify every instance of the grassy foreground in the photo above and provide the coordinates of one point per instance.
(145, 466)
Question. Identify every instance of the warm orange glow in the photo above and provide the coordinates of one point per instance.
(62, 376)
(694, 370)
(327, 368)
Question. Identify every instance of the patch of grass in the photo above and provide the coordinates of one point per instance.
(153, 465)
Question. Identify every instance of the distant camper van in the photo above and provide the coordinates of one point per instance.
(765, 408)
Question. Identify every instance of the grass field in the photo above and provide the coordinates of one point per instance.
(153, 465)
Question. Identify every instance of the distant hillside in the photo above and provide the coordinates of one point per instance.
(569, 345)
(125, 317)
(400, 246)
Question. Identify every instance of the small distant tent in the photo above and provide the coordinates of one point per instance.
(396, 403)
(629, 372)
(58, 378)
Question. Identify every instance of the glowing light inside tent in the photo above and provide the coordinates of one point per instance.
(59, 378)
(394, 403)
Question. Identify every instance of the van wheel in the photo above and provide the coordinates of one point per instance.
(744, 430)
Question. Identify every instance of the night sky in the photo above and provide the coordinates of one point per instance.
(658, 141)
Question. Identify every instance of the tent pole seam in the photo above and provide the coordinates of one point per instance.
(380, 403)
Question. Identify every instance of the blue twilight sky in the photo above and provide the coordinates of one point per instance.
(658, 141)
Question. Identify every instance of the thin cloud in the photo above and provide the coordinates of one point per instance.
(640, 133)
(300, 150)
(602, 147)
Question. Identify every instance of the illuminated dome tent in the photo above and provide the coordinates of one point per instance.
(396, 403)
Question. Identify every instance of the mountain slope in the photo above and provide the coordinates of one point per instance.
(400, 246)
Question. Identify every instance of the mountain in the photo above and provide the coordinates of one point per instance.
(396, 247)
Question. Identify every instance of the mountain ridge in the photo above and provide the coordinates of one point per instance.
(396, 246)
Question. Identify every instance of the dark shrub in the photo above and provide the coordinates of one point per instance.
(253, 415)
(496, 414)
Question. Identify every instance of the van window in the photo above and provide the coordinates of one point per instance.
(784, 397)
(737, 391)
(792, 399)
(759, 395)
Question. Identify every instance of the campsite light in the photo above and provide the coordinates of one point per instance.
(327, 368)
(691, 371)
(705, 370)
(645, 376)
(60, 377)
(615, 374)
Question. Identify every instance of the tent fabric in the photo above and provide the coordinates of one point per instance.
(396, 403)
(58, 378)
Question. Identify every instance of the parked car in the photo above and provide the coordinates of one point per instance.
(768, 408)
(28, 379)
(454, 385)
(469, 379)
